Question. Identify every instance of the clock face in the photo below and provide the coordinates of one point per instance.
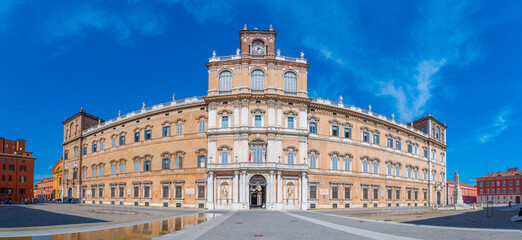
(259, 49)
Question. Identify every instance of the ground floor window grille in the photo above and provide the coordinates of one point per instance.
(93, 192)
(375, 193)
(409, 194)
(335, 192)
(313, 192)
(397, 194)
(165, 191)
(390, 195)
(136, 192)
(122, 192)
(113, 192)
(146, 192)
(347, 193)
(179, 191)
(201, 191)
(365, 193)
(100, 192)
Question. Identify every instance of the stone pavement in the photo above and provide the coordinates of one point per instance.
(262, 224)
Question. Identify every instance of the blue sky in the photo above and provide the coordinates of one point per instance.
(459, 60)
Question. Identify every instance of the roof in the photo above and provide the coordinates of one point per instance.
(510, 173)
(461, 184)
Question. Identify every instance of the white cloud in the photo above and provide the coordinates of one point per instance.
(497, 127)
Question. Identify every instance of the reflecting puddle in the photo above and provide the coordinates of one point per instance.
(139, 231)
(391, 213)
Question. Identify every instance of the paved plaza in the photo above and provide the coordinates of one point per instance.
(41, 221)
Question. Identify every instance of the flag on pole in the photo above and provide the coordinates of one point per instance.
(266, 150)
(249, 152)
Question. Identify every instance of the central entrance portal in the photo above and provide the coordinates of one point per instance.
(257, 191)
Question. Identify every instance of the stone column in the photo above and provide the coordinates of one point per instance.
(279, 191)
(235, 190)
(210, 195)
(304, 191)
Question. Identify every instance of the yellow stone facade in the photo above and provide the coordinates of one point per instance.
(57, 179)
(256, 140)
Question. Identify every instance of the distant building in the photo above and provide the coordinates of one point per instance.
(44, 188)
(17, 170)
(500, 187)
(57, 179)
(469, 192)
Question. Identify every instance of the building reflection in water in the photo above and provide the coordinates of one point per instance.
(135, 232)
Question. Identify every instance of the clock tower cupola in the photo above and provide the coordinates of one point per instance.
(257, 42)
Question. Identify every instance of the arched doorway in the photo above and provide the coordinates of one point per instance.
(438, 198)
(257, 191)
(517, 199)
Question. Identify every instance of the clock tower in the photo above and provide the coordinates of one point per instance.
(257, 42)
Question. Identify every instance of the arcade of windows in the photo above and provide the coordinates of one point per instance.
(257, 77)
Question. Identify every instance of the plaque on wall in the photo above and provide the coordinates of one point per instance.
(189, 191)
(324, 191)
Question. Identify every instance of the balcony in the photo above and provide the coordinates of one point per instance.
(257, 166)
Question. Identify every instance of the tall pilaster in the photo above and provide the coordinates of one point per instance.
(279, 191)
(210, 198)
(236, 190)
(304, 191)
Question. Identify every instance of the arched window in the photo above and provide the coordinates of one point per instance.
(258, 80)
(290, 82)
(225, 81)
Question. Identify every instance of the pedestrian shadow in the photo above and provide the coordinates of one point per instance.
(14, 217)
(476, 219)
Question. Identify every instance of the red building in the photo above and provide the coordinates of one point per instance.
(16, 171)
(469, 192)
(500, 187)
(44, 188)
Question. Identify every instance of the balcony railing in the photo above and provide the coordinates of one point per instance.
(146, 110)
(259, 165)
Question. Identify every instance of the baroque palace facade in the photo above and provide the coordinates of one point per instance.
(255, 140)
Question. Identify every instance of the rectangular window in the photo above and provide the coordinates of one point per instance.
(102, 143)
(113, 192)
(335, 192)
(179, 162)
(290, 158)
(76, 152)
(75, 174)
(290, 122)
(389, 170)
(416, 174)
(415, 148)
(224, 157)
(114, 142)
(148, 134)
(122, 140)
(224, 121)
(398, 145)
(202, 161)
(347, 193)
(84, 173)
(201, 191)
(179, 191)
(334, 163)
(389, 142)
(165, 191)
(410, 148)
(365, 166)
(136, 166)
(65, 156)
(397, 194)
(313, 192)
(258, 153)
(136, 192)
(365, 193)
(146, 192)
(122, 192)
(313, 161)
(335, 131)
(375, 193)
(257, 120)
(426, 153)
(93, 192)
(375, 167)
(122, 168)
(100, 192)
(93, 148)
(409, 194)
(348, 133)
(201, 126)
(22, 179)
(424, 175)
(397, 171)
(376, 139)
(347, 164)
(165, 163)
(84, 151)
(166, 131)
(113, 169)
(136, 137)
(313, 127)
(409, 173)
(179, 129)
(94, 172)
(366, 137)
(146, 165)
